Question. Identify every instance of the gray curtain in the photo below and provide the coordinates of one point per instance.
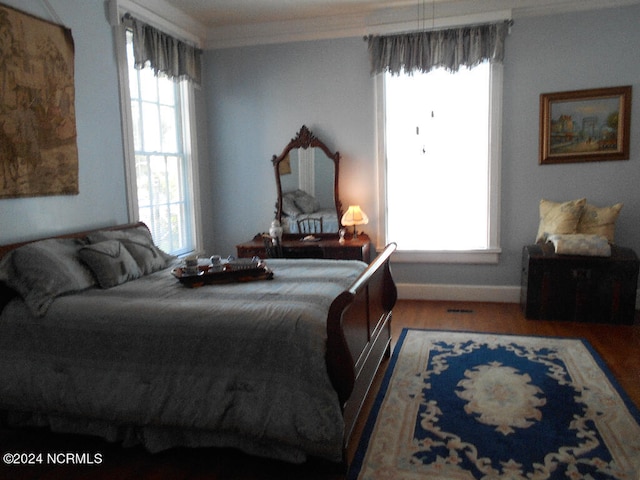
(163, 53)
(451, 48)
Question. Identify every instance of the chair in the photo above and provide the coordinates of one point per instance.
(310, 225)
(274, 250)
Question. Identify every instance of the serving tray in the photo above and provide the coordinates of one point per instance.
(231, 272)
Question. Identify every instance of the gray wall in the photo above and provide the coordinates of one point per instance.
(255, 99)
(102, 198)
(258, 97)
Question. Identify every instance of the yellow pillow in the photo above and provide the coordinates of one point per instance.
(559, 218)
(599, 221)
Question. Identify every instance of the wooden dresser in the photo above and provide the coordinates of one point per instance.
(581, 288)
(328, 246)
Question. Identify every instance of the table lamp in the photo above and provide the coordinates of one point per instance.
(354, 216)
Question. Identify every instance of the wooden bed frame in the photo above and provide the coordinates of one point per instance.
(358, 329)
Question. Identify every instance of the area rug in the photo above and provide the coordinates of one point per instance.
(458, 405)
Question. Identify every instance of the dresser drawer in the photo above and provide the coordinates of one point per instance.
(327, 246)
(355, 253)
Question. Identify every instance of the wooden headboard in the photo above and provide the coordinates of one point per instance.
(4, 249)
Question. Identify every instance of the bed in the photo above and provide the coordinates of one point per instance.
(277, 368)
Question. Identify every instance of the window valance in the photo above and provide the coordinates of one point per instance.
(451, 48)
(163, 53)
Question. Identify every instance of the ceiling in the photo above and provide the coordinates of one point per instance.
(215, 13)
(225, 23)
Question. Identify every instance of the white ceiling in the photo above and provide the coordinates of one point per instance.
(226, 23)
(233, 12)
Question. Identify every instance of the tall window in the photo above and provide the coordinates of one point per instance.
(442, 157)
(164, 193)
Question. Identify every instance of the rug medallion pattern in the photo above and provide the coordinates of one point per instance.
(479, 406)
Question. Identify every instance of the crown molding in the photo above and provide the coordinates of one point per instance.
(355, 25)
(163, 16)
(385, 21)
(283, 31)
(395, 20)
(551, 7)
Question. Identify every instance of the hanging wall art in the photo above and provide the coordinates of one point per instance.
(585, 125)
(38, 150)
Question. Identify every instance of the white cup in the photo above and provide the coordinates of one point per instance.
(191, 264)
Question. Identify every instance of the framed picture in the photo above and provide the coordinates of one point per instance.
(38, 148)
(585, 125)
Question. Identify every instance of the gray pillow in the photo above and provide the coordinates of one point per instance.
(43, 270)
(148, 257)
(110, 262)
(140, 245)
(139, 233)
(289, 205)
(306, 202)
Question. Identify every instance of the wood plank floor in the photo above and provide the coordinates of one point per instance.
(619, 345)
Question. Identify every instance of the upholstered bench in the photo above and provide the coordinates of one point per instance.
(576, 287)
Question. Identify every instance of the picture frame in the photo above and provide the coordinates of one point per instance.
(38, 137)
(585, 125)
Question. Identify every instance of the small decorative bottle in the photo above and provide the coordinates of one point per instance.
(342, 232)
(275, 232)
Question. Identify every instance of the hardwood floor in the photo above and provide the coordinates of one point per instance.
(618, 345)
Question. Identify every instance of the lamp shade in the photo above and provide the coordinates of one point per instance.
(354, 216)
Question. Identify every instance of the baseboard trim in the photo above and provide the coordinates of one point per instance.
(459, 293)
(465, 293)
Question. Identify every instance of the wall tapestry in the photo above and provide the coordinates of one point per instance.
(38, 150)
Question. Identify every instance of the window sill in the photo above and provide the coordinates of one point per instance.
(489, 256)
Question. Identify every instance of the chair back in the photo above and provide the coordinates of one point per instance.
(310, 225)
(274, 250)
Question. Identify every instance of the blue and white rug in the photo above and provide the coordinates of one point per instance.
(458, 405)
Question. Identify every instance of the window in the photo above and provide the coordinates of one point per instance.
(161, 166)
(442, 156)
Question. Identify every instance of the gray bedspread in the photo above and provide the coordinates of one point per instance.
(151, 361)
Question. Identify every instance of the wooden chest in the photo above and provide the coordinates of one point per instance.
(573, 287)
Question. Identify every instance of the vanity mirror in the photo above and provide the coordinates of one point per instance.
(307, 184)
